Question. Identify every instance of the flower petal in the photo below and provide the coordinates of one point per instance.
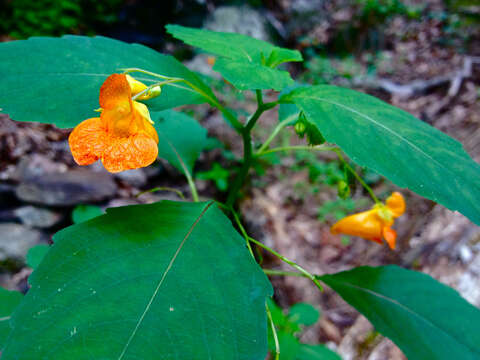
(134, 152)
(115, 92)
(366, 224)
(87, 141)
(390, 236)
(396, 204)
(135, 85)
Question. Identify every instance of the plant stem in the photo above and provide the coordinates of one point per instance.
(162, 188)
(191, 184)
(296, 147)
(358, 177)
(272, 136)
(247, 150)
(274, 333)
(243, 231)
(289, 262)
(273, 272)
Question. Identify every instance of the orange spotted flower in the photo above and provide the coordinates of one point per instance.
(375, 223)
(122, 137)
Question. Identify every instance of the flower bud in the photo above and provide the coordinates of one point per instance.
(343, 189)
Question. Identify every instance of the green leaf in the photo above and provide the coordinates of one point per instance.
(395, 144)
(289, 346)
(246, 76)
(181, 138)
(167, 280)
(316, 352)
(303, 313)
(245, 62)
(233, 46)
(36, 254)
(426, 319)
(83, 213)
(218, 174)
(57, 80)
(9, 300)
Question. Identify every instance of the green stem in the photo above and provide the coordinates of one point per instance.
(358, 177)
(191, 185)
(243, 231)
(272, 136)
(162, 188)
(247, 150)
(274, 333)
(289, 262)
(273, 272)
(296, 147)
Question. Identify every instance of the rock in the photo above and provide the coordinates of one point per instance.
(135, 177)
(239, 19)
(37, 165)
(67, 188)
(37, 217)
(304, 16)
(16, 239)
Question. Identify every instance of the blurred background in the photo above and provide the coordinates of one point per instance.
(422, 56)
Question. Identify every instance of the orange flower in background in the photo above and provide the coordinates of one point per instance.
(123, 137)
(375, 223)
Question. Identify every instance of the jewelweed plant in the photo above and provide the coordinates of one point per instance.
(175, 279)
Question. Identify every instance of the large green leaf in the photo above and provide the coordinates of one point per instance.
(169, 280)
(425, 318)
(9, 300)
(181, 138)
(246, 62)
(57, 80)
(36, 254)
(233, 46)
(395, 144)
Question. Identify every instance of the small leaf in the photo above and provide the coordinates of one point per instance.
(394, 144)
(83, 213)
(57, 80)
(36, 254)
(9, 301)
(426, 319)
(245, 76)
(181, 138)
(170, 279)
(303, 313)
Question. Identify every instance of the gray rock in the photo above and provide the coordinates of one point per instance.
(135, 177)
(303, 7)
(37, 165)
(67, 188)
(16, 239)
(239, 19)
(37, 217)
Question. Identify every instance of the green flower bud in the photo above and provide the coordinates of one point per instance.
(343, 189)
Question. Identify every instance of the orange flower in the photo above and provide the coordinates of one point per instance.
(122, 137)
(375, 223)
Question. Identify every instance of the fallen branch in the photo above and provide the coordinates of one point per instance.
(419, 87)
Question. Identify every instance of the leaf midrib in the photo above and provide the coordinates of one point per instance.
(407, 309)
(379, 125)
(160, 282)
